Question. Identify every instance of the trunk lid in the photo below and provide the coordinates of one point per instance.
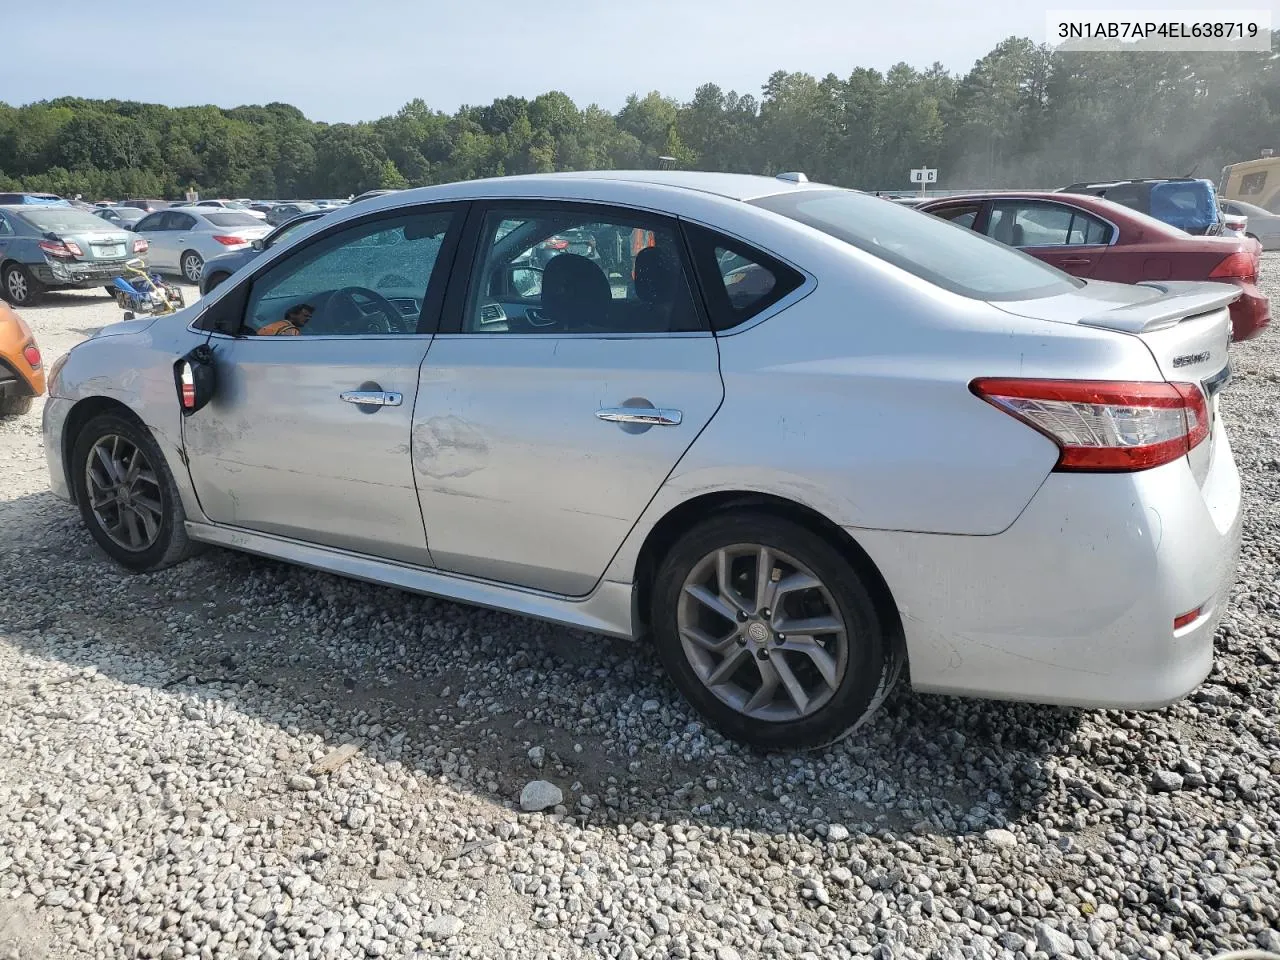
(104, 245)
(1185, 324)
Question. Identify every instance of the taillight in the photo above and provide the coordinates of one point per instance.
(230, 241)
(62, 249)
(555, 244)
(140, 245)
(1106, 425)
(1237, 266)
(31, 355)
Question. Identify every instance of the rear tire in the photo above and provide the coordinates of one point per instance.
(192, 266)
(825, 683)
(160, 541)
(18, 286)
(15, 406)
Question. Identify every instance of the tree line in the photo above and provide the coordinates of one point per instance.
(1023, 116)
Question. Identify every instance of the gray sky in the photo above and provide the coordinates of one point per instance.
(339, 60)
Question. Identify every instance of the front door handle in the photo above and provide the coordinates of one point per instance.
(649, 416)
(372, 398)
(1076, 262)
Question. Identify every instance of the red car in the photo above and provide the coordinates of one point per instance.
(1101, 240)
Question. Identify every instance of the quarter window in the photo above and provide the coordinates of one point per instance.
(371, 278)
(738, 281)
(575, 270)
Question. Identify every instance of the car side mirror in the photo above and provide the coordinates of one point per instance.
(195, 379)
(259, 245)
(524, 281)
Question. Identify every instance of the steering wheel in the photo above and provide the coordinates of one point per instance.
(347, 296)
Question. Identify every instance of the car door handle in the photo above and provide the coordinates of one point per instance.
(652, 416)
(1077, 262)
(372, 398)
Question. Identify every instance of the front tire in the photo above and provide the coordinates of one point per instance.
(127, 496)
(192, 266)
(770, 633)
(18, 286)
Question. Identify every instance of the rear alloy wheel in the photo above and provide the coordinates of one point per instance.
(770, 633)
(18, 286)
(127, 495)
(192, 266)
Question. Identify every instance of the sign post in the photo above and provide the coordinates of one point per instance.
(924, 176)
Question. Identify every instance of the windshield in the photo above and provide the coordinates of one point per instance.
(952, 257)
(232, 219)
(64, 220)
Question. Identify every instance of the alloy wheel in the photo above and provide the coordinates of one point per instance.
(762, 632)
(192, 267)
(17, 285)
(124, 492)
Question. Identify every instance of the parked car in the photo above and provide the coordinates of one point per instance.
(183, 238)
(282, 213)
(126, 217)
(1262, 225)
(36, 199)
(1095, 238)
(21, 368)
(231, 205)
(1187, 203)
(1020, 486)
(48, 246)
(219, 268)
(148, 206)
(262, 206)
(370, 194)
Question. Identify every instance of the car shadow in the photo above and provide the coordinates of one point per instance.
(465, 693)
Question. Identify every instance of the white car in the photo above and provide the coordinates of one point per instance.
(231, 205)
(182, 238)
(795, 435)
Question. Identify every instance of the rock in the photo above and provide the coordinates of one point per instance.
(356, 818)
(301, 783)
(650, 706)
(1001, 838)
(727, 953)
(537, 756)
(837, 832)
(1269, 940)
(539, 795)
(1054, 942)
(334, 759)
(1166, 781)
(443, 927)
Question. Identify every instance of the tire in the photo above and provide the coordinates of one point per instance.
(215, 279)
(110, 292)
(192, 265)
(862, 663)
(15, 406)
(18, 286)
(170, 544)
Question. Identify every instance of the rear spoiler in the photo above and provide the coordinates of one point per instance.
(1179, 300)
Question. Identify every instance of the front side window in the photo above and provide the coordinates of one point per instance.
(370, 278)
(151, 222)
(572, 269)
(1020, 224)
(941, 253)
(181, 221)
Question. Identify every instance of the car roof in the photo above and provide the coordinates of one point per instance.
(732, 186)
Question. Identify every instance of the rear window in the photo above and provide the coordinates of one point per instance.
(946, 255)
(63, 220)
(231, 219)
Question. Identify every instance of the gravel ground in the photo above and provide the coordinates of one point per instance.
(159, 795)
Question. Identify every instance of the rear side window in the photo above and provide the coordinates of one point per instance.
(738, 281)
(948, 256)
(1252, 184)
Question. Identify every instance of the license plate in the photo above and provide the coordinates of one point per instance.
(109, 250)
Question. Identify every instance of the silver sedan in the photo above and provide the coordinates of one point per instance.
(794, 435)
(182, 238)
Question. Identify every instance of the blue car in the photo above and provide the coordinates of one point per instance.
(1187, 203)
(219, 268)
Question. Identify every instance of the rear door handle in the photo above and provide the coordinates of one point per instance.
(372, 398)
(1077, 262)
(651, 416)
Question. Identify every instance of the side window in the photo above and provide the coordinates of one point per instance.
(1252, 184)
(154, 221)
(180, 221)
(571, 269)
(1044, 225)
(962, 214)
(1132, 195)
(370, 278)
(5, 229)
(738, 281)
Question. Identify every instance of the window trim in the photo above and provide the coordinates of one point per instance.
(469, 251)
(228, 302)
(1044, 201)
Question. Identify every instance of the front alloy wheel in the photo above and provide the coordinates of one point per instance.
(192, 266)
(124, 493)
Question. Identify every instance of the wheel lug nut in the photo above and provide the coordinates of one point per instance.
(765, 613)
(780, 638)
(762, 654)
(742, 641)
(742, 616)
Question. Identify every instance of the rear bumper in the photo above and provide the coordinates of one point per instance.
(1074, 604)
(75, 274)
(1250, 314)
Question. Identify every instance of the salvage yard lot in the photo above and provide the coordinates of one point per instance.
(157, 735)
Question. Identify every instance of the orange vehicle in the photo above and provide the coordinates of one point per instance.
(21, 369)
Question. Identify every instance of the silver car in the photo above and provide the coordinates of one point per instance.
(183, 238)
(1262, 225)
(795, 435)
